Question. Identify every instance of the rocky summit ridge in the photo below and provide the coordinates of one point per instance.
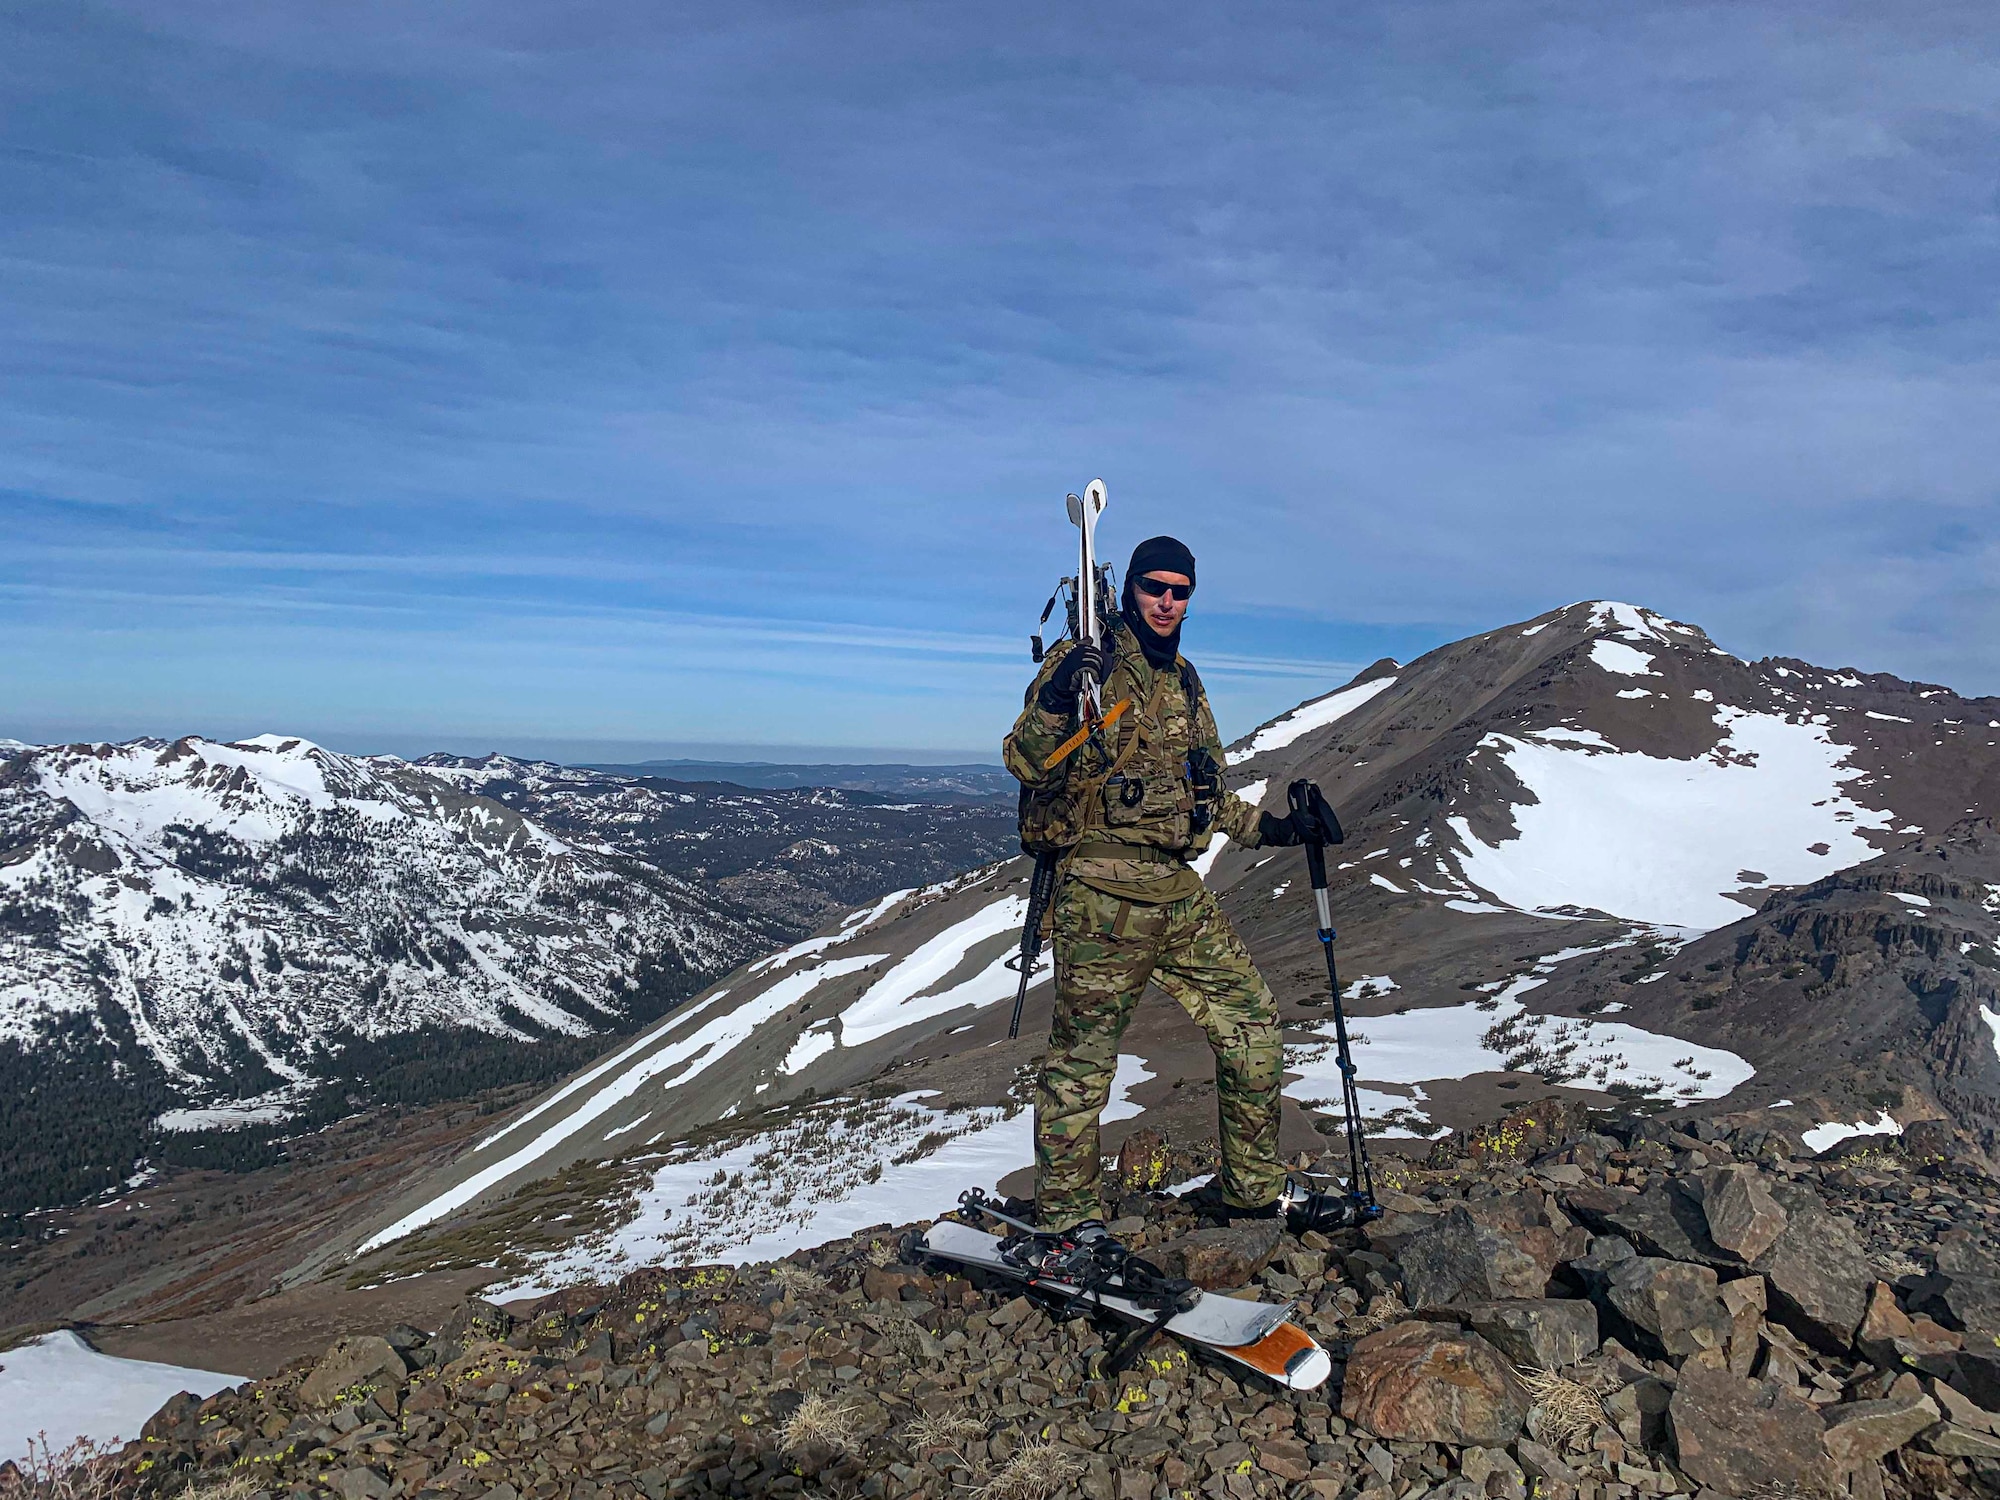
(1571, 1305)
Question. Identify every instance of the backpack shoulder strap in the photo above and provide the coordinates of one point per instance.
(1190, 680)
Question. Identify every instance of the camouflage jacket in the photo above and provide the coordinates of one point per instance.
(1148, 803)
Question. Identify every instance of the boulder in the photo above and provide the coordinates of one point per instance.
(1659, 1221)
(1949, 1440)
(1477, 1256)
(1742, 1216)
(358, 1360)
(1544, 1333)
(1142, 1161)
(1817, 1266)
(1743, 1299)
(1976, 1372)
(1964, 1411)
(1861, 1432)
(1965, 1292)
(1881, 1325)
(473, 1321)
(1430, 1383)
(1741, 1437)
(1817, 1270)
(1937, 1144)
(360, 1484)
(1676, 1304)
(1224, 1256)
(894, 1283)
(1389, 1234)
(1593, 1268)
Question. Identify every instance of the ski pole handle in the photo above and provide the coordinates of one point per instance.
(1301, 795)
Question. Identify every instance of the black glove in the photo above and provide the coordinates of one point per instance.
(1058, 694)
(1313, 816)
(1274, 832)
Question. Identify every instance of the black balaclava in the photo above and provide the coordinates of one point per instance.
(1159, 554)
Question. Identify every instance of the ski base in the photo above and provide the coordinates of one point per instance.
(1257, 1335)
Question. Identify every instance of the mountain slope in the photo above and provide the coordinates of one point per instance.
(1594, 789)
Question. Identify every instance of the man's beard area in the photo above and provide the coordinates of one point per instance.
(1160, 649)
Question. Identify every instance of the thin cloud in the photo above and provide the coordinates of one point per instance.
(1411, 320)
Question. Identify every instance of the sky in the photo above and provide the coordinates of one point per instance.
(623, 379)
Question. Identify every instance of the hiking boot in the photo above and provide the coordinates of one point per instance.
(1306, 1207)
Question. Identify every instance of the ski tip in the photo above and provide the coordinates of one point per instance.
(1289, 1355)
(1308, 1369)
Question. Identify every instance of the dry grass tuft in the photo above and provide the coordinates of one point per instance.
(1039, 1471)
(228, 1487)
(1381, 1312)
(797, 1280)
(1569, 1413)
(1891, 1265)
(820, 1422)
(881, 1253)
(943, 1429)
(85, 1470)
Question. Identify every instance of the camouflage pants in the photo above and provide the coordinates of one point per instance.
(1105, 951)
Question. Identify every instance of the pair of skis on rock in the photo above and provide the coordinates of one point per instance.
(1089, 1271)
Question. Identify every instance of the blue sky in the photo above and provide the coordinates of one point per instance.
(620, 378)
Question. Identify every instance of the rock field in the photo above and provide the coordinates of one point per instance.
(1569, 1305)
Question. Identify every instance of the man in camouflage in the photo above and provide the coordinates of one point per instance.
(1129, 906)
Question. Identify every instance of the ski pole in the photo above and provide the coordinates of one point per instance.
(1041, 887)
(1315, 817)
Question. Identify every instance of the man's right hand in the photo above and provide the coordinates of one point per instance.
(1058, 694)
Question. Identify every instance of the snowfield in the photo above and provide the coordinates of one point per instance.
(1660, 840)
(908, 993)
(1500, 1034)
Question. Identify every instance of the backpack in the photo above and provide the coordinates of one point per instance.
(1054, 819)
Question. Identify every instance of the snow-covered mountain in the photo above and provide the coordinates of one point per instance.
(202, 935)
(248, 906)
(1598, 790)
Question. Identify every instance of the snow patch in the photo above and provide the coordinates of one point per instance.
(58, 1384)
(1499, 1033)
(808, 1049)
(236, 1116)
(908, 993)
(1820, 1137)
(1906, 897)
(1614, 656)
(1308, 717)
(824, 1173)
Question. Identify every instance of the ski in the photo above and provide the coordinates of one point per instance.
(1259, 1336)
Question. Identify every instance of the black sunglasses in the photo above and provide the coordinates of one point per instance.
(1152, 588)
